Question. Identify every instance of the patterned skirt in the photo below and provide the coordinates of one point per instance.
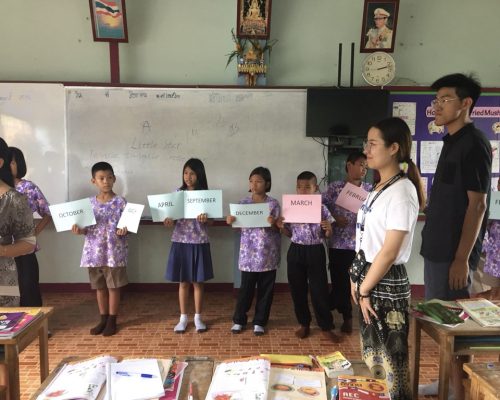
(9, 289)
(384, 342)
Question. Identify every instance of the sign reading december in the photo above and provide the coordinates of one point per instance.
(78, 212)
(250, 215)
(302, 208)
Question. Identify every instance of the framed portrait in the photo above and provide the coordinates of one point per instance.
(378, 32)
(109, 21)
(254, 19)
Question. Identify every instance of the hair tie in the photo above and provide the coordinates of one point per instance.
(403, 167)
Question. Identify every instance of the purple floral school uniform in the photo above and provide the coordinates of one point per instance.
(309, 234)
(190, 231)
(36, 200)
(342, 238)
(260, 248)
(491, 246)
(103, 247)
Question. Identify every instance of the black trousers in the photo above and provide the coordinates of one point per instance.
(28, 277)
(307, 272)
(265, 290)
(340, 295)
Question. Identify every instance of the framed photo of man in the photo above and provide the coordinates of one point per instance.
(378, 31)
(109, 22)
(254, 19)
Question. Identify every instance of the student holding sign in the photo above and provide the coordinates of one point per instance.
(343, 239)
(27, 265)
(384, 233)
(306, 260)
(190, 260)
(105, 250)
(260, 253)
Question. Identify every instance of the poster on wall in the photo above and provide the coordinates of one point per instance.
(109, 22)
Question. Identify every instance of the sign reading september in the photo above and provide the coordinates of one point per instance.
(78, 212)
(302, 208)
(495, 205)
(250, 215)
(186, 204)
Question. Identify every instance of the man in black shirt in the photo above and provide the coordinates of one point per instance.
(456, 213)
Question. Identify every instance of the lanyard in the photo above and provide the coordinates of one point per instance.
(367, 208)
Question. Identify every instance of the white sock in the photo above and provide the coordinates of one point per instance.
(258, 328)
(430, 389)
(198, 323)
(181, 326)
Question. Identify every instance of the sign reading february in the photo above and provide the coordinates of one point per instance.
(302, 208)
(170, 205)
(495, 205)
(78, 212)
(351, 197)
(250, 215)
(198, 202)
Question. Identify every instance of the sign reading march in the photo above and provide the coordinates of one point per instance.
(169, 205)
(78, 212)
(302, 208)
(250, 215)
(198, 202)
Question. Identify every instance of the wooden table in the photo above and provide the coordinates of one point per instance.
(14, 346)
(484, 380)
(468, 338)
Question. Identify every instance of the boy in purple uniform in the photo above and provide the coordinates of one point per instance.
(343, 239)
(306, 260)
(27, 265)
(260, 254)
(105, 249)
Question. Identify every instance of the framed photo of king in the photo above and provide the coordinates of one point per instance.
(254, 19)
(378, 32)
(109, 20)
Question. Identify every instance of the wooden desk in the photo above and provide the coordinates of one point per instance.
(449, 347)
(199, 372)
(14, 346)
(485, 380)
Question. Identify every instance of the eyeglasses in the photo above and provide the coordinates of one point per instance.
(368, 145)
(379, 18)
(442, 101)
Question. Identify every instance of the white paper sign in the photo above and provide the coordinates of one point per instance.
(495, 205)
(250, 215)
(169, 205)
(78, 212)
(351, 197)
(131, 217)
(198, 202)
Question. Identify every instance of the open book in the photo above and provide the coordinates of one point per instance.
(78, 380)
(483, 311)
(253, 378)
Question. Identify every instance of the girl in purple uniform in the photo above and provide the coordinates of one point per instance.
(27, 265)
(190, 261)
(105, 249)
(260, 253)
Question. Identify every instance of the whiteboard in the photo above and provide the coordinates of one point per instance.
(148, 134)
(32, 118)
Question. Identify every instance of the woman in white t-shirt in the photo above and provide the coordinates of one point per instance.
(384, 233)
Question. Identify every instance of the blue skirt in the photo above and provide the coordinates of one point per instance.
(189, 262)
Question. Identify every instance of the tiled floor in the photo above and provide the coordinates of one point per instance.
(146, 329)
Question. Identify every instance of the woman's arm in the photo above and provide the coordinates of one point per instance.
(42, 224)
(16, 249)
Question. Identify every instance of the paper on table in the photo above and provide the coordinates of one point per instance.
(250, 215)
(78, 212)
(131, 217)
(168, 205)
(302, 208)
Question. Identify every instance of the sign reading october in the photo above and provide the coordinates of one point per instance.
(78, 212)
(186, 204)
(351, 197)
(302, 208)
(495, 205)
(250, 215)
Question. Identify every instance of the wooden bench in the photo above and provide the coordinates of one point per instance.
(484, 380)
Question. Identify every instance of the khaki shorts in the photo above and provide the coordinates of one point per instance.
(107, 277)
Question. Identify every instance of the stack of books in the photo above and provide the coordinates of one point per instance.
(13, 323)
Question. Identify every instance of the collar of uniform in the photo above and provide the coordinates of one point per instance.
(461, 132)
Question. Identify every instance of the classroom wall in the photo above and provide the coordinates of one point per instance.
(185, 42)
